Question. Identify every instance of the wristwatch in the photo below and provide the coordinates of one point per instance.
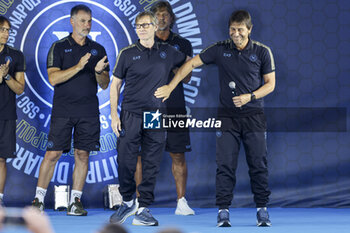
(7, 77)
(252, 96)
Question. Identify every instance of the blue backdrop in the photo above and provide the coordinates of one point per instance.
(310, 40)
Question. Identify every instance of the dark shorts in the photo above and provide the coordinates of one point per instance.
(178, 141)
(86, 134)
(8, 139)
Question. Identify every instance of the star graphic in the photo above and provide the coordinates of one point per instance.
(156, 115)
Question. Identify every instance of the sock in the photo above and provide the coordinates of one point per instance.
(257, 209)
(140, 210)
(74, 194)
(1, 196)
(40, 194)
(129, 203)
(222, 210)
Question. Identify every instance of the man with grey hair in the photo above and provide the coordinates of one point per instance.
(177, 140)
(144, 66)
(75, 66)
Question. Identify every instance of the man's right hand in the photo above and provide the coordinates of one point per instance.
(116, 125)
(83, 61)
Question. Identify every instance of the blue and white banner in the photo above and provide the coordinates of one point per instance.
(310, 42)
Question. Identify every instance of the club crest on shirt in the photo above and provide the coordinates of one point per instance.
(162, 54)
(253, 58)
(94, 52)
(49, 144)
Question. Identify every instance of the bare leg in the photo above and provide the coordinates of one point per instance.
(3, 172)
(81, 169)
(47, 168)
(179, 169)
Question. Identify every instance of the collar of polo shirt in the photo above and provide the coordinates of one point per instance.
(142, 48)
(72, 41)
(249, 45)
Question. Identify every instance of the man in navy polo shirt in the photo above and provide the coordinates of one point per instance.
(75, 65)
(12, 82)
(177, 140)
(246, 75)
(144, 66)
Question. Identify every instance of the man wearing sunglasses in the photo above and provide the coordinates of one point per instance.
(12, 68)
(144, 66)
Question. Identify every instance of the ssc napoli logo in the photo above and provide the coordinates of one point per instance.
(49, 21)
(253, 58)
(49, 144)
(94, 52)
(8, 58)
(218, 133)
(162, 54)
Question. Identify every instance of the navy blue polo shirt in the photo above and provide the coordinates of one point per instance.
(7, 96)
(77, 96)
(177, 98)
(245, 67)
(144, 70)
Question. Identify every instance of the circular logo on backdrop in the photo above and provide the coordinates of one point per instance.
(49, 21)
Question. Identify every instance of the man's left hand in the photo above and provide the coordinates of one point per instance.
(163, 92)
(241, 100)
(4, 69)
(101, 65)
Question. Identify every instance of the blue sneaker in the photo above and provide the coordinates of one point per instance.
(262, 217)
(224, 218)
(122, 213)
(144, 218)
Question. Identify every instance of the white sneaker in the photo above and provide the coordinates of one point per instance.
(183, 208)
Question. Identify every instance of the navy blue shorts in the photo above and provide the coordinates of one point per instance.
(8, 139)
(86, 134)
(178, 141)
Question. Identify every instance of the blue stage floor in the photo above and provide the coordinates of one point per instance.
(286, 220)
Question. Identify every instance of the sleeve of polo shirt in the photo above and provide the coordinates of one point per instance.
(54, 58)
(268, 62)
(20, 65)
(208, 55)
(179, 58)
(120, 66)
(187, 49)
